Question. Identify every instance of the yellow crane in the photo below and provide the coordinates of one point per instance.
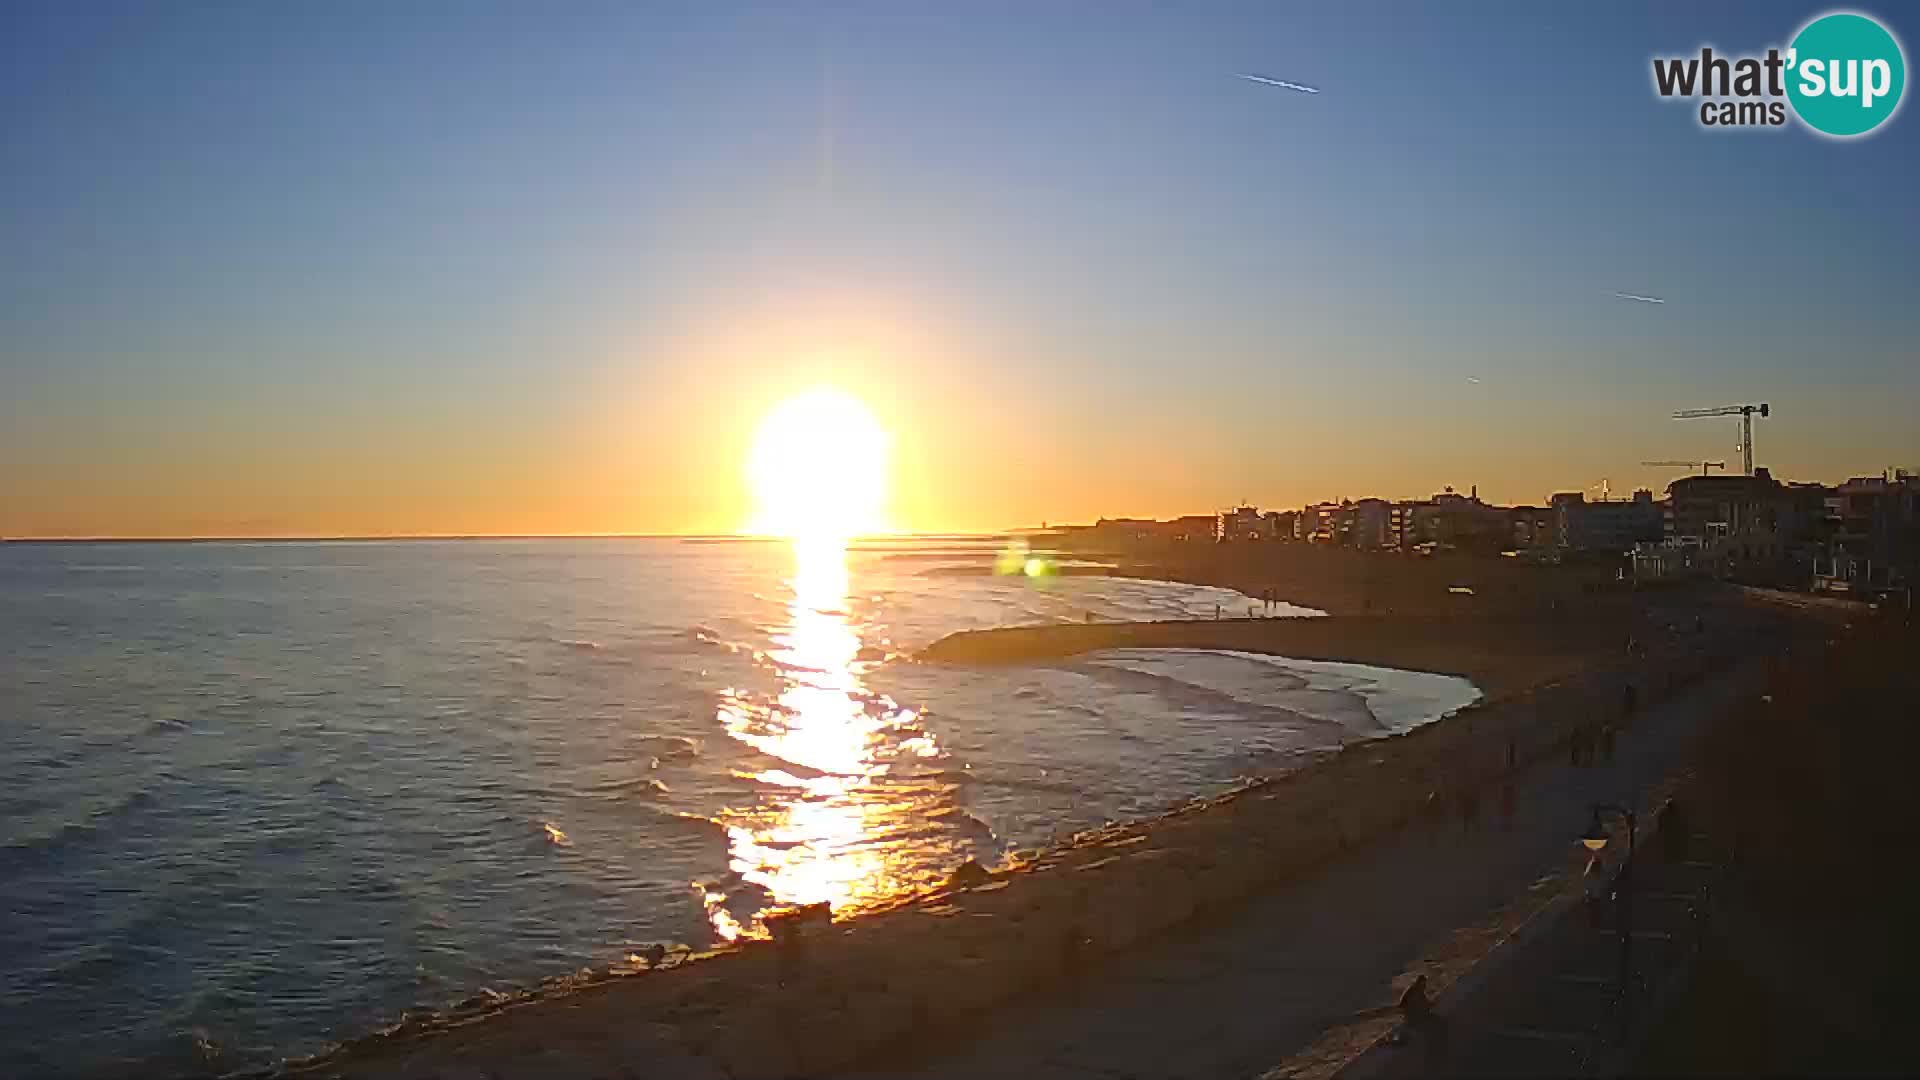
(1744, 412)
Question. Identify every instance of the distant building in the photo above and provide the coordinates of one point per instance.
(1742, 524)
(1404, 524)
(1462, 521)
(1533, 527)
(1612, 526)
(1306, 523)
(1320, 524)
(1127, 530)
(1871, 535)
(1278, 524)
(1369, 527)
(1196, 527)
(1241, 523)
(1715, 509)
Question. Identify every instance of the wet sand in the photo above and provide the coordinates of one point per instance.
(895, 980)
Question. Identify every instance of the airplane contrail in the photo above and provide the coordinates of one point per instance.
(1281, 83)
(1642, 299)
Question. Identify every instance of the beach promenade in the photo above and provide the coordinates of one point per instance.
(1239, 995)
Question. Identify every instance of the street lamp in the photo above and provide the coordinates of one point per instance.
(1596, 836)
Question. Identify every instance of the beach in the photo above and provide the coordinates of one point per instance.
(896, 982)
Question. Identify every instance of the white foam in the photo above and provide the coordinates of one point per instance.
(1360, 697)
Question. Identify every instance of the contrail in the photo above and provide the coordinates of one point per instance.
(1281, 83)
(1642, 299)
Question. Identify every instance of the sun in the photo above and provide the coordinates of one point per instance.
(818, 469)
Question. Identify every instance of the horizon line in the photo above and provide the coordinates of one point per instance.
(317, 538)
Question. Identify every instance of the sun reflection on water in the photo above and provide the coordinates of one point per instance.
(821, 833)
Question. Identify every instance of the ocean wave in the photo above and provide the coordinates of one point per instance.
(638, 785)
(50, 842)
(669, 748)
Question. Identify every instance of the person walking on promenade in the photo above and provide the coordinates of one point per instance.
(1416, 1010)
(1673, 833)
(1595, 887)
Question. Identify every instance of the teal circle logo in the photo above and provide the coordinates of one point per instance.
(1845, 74)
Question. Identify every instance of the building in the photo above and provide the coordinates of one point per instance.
(1533, 528)
(1742, 524)
(1196, 527)
(1308, 522)
(1870, 540)
(1369, 524)
(1279, 524)
(1241, 523)
(1125, 531)
(1404, 522)
(1452, 520)
(1609, 525)
(1319, 523)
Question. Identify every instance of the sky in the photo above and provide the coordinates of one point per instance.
(376, 269)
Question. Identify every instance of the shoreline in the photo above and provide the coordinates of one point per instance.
(1498, 656)
(879, 978)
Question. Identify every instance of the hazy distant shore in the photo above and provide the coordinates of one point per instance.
(1342, 581)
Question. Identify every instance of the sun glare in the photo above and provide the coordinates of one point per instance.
(819, 469)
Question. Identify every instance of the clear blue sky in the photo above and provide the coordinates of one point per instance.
(432, 267)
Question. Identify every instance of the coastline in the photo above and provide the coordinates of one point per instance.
(1498, 655)
(881, 978)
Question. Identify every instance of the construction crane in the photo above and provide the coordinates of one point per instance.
(1705, 467)
(1745, 413)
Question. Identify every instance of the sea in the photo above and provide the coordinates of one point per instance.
(258, 797)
